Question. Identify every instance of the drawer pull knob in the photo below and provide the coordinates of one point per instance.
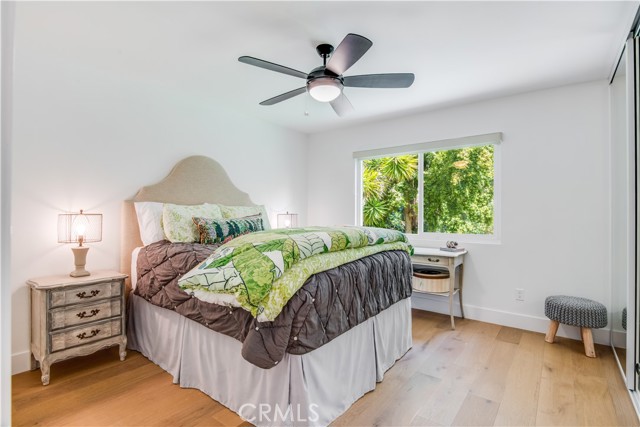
(434, 259)
(83, 335)
(83, 294)
(83, 314)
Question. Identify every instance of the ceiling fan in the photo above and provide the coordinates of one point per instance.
(326, 82)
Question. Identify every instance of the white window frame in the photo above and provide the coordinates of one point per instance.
(423, 238)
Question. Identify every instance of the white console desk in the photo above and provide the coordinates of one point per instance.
(452, 261)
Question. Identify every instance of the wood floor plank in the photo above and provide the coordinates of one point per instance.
(476, 411)
(557, 400)
(491, 383)
(421, 351)
(480, 345)
(448, 397)
(511, 335)
(594, 405)
(415, 392)
(490, 330)
(227, 417)
(464, 371)
(443, 356)
(520, 403)
(420, 421)
(588, 366)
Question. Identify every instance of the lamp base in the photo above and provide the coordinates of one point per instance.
(80, 258)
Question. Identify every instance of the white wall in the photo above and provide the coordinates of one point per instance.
(86, 137)
(555, 196)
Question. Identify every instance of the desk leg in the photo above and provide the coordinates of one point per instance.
(460, 290)
(452, 285)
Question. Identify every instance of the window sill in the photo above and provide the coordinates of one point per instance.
(426, 241)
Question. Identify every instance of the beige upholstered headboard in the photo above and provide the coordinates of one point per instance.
(192, 181)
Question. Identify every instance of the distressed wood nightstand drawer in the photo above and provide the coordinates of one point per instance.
(430, 260)
(85, 313)
(90, 333)
(85, 294)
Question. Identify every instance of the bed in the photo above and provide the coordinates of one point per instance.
(302, 384)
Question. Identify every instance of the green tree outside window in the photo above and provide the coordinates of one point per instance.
(457, 193)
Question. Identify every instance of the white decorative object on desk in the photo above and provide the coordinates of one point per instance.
(452, 246)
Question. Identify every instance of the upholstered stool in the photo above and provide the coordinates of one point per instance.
(575, 311)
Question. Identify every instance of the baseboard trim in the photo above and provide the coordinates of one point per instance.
(619, 339)
(20, 362)
(439, 304)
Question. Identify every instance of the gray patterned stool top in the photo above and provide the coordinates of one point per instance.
(576, 311)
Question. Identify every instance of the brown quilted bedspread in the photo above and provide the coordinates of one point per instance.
(327, 305)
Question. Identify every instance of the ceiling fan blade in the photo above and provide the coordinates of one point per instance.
(341, 105)
(348, 52)
(271, 66)
(394, 80)
(284, 96)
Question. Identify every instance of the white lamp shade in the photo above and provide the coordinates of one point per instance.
(79, 227)
(324, 89)
(287, 220)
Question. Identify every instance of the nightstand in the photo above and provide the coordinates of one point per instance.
(76, 316)
(453, 262)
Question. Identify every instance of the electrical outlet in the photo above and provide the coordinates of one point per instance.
(519, 294)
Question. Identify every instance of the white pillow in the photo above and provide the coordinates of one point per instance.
(229, 212)
(149, 221)
(177, 220)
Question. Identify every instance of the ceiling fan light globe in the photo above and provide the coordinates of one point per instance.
(324, 89)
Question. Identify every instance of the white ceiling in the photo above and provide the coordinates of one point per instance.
(459, 51)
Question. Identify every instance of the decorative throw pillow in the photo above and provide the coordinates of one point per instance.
(149, 221)
(178, 223)
(244, 211)
(223, 230)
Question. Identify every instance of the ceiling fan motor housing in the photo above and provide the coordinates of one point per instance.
(324, 85)
(323, 72)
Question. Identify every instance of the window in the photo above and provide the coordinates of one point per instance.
(434, 190)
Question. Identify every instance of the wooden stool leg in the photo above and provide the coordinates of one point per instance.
(551, 333)
(587, 338)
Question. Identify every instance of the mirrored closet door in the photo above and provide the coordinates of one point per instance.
(623, 213)
(625, 181)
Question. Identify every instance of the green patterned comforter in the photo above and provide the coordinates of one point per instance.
(261, 271)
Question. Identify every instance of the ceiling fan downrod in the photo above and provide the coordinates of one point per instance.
(325, 51)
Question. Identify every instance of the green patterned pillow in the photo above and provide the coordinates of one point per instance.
(244, 211)
(223, 230)
(178, 224)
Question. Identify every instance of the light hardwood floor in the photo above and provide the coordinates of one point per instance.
(478, 375)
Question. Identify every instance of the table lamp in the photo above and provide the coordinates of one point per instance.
(287, 220)
(81, 228)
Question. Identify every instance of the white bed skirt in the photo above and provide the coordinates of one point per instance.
(312, 389)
